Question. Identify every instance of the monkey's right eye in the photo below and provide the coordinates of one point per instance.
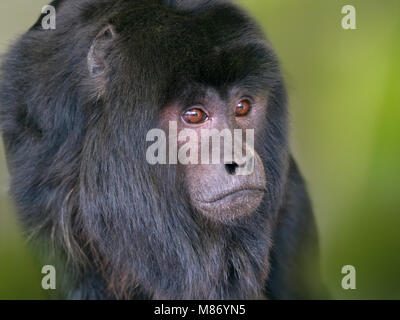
(195, 116)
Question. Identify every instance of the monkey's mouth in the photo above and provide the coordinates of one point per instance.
(237, 193)
(229, 205)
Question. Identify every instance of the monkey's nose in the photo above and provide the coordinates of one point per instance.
(231, 168)
(240, 168)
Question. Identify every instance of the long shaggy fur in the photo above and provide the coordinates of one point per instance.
(116, 226)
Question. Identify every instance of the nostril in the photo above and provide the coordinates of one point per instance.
(231, 168)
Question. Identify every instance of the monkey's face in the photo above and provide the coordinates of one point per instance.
(214, 140)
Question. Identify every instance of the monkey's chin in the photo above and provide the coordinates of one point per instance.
(232, 206)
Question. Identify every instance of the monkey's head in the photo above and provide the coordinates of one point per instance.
(188, 70)
(187, 211)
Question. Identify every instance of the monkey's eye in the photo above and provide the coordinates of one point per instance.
(243, 108)
(195, 116)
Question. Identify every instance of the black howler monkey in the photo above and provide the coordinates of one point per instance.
(76, 105)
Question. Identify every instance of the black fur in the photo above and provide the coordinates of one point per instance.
(116, 226)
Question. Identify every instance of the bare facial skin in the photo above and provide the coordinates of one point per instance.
(218, 191)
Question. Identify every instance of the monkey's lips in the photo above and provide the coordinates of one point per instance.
(232, 203)
(243, 192)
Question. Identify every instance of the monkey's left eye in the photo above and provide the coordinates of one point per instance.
(195, 116)
(243, 108)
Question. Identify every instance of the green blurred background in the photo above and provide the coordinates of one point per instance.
(344, 91)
